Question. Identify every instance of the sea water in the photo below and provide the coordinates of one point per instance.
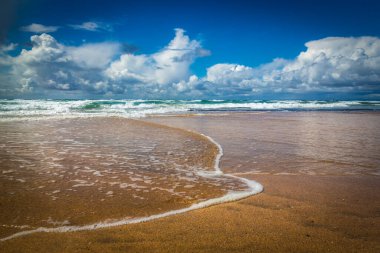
(88, 168)
(28, 109)
(60, 175)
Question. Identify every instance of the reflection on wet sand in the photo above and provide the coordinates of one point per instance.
(312, 143)
(319, 170)
(80, 171)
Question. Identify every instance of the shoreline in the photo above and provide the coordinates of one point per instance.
(295, 213)
(284, 218)
(254, 188)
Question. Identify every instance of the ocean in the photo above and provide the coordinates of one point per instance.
(64, 163)
(29, 109)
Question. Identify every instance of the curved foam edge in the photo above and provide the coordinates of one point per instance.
(253, 188)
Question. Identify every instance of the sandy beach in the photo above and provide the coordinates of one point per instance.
(320, 194)
(189, 126)
(323, 218)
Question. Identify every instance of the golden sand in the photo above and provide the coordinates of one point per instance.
(85, 171)
(315, 209)
(294, 214)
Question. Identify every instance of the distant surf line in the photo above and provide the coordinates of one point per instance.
(253, 188)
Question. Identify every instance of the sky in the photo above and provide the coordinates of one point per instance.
(190, 49)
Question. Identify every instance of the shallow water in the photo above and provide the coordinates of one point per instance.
(74, 172)
(313, 143)
(80, 171)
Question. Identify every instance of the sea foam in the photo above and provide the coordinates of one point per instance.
(34, 109)
(253, 188)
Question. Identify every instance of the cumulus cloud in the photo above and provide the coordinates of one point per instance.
(51, 65)
(173, 62)
(94, 55)
(92, 26)
(335, 65)
(103, 68)
(162, 69)
(38, 28)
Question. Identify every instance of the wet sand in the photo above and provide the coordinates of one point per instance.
(294, 214)
(311, 143)
(77, 172)
(322, 192)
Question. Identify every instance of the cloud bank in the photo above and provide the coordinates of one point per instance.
(337, 65)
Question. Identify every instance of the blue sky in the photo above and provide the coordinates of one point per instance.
(249, 34)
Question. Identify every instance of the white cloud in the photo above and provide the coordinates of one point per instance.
(51, 65)
(229, 74)
(92, 26)
(38, 28)
(335, 64)
(135, 68)
(36, 67)
(173, 62)
(168, 66)
(94, 55)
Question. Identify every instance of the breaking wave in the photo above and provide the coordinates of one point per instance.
(21, 109)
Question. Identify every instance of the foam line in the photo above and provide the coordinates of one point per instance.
(253, 188)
